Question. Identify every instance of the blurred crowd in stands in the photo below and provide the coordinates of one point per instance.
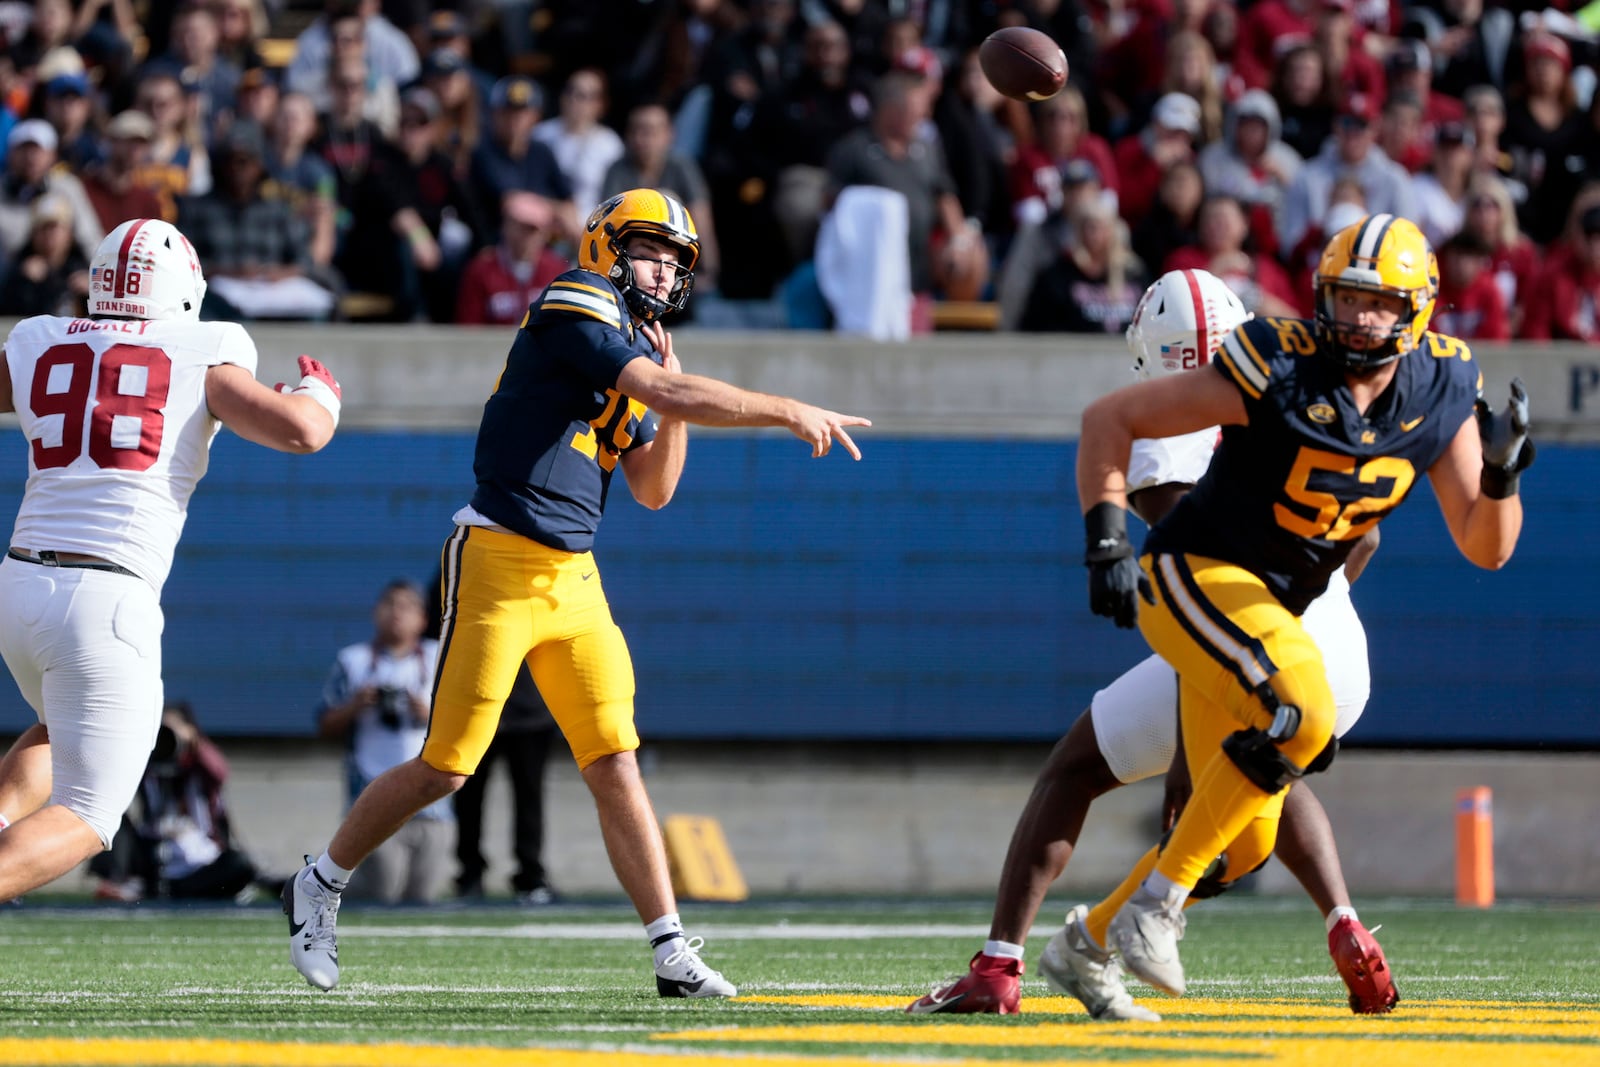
(393, 161)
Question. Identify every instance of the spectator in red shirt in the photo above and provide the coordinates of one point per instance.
(500, 282)
(1130, 70)
(1169, 138)
(1410, 69)
(1493, 217)
(1470, 304)
(1400, 132)
(1339, 40)
(1262, 285)
(1565, 303)
(112, 185)
(1061, 135)
(1264, 31)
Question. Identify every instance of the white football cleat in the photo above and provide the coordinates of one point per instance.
(1071, 964)
(684, 974)
(1145, 933)
(312, 906)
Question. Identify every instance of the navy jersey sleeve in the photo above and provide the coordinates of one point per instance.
(602, 341)
(1457, 385)
(645, 431)
(1248, 355)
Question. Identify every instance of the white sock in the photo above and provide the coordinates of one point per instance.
(1341, 912)
(333, 875)
(1169, 893)
(1004, 950)
(666, 935)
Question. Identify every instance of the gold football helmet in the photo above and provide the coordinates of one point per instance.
(1384, 254)
(640, 213)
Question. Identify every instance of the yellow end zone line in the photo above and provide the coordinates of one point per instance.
(1269, 1034)
(138, 1052)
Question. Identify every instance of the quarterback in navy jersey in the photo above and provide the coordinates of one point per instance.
(589, 364)
(556, 426)
(1327, 424)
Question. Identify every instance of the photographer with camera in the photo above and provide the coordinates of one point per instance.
(377, 702)
(175, 841)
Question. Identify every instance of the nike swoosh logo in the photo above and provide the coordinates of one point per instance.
(586, 577)
(947, 1002)
(1407, 427)
(295, 928)
(1149, 947)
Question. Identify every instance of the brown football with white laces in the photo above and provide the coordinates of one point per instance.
(1023, 63)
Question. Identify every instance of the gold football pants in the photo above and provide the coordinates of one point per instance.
(508, 599)
(1227, 635)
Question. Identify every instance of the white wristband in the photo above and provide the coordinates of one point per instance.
(316, 389)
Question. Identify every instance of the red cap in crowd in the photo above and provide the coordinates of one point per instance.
(1540, 43)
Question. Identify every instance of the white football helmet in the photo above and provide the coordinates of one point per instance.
(1181, 321)
(146, 269)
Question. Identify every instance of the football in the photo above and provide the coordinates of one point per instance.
(1023, 64)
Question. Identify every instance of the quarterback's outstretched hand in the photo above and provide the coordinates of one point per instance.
(316, 383)
(1115, 579)
(1507, 448)
(820, 426)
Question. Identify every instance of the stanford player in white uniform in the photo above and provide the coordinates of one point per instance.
(1130, 731)
(119, 411)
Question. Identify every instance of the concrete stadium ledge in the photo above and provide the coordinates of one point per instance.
(913, 820)
(1019, 386)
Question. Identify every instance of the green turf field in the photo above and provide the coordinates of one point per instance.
(820, 983)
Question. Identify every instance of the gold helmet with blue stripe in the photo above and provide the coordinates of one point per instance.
(640, 213)
(1380, 254)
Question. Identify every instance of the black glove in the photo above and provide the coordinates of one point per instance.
(1114, 575)
(1507, 449)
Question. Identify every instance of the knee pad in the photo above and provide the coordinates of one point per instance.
(1211, 883)
(1324, 758)
(1285, 717)
(1256, 754)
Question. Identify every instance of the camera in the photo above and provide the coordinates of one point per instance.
(164, 756)
(394, 707)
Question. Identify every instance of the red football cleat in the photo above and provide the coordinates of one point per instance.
(1359, 958)
(992, 985)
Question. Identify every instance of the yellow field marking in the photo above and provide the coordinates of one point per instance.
(1207, 1033)
(138, 1052)
(1417, 1017)
(1271, 1033)
(1124, 1042)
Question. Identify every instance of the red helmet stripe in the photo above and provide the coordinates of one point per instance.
(1200, 317)
(120, 283)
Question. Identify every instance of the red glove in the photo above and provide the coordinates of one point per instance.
(316, 383)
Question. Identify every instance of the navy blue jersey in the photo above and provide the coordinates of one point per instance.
(1287, 496)
(555, 427)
